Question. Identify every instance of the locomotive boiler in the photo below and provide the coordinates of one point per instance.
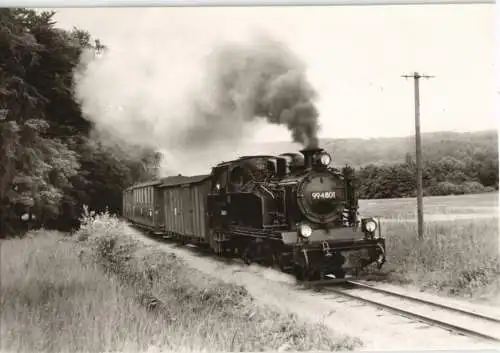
(292, 211)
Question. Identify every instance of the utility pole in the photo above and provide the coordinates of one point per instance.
(418, 146)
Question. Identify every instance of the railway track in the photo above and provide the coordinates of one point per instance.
(458, 320)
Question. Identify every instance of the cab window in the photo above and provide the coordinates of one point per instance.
(220, 179)
(237, 178)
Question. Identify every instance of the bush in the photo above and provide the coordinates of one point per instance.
(472, 187)
(445, 188)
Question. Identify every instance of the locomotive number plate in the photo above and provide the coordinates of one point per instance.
(325, 195)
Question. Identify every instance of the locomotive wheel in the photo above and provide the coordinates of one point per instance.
(339, 273)
(298, 272)
(277, 261)
(247, 255)
(228, 252)
(302, 274)
(314, 275)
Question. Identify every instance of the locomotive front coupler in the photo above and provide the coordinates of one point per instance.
(320, 258)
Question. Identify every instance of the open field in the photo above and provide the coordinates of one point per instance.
(459, 254)
(107, 292)
(435, 207)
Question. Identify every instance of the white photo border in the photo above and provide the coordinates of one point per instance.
(226, 3)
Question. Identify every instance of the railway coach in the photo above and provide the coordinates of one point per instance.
(143, 206)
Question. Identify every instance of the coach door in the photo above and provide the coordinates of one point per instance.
(176, 211)
(187, 209)
(159, 207)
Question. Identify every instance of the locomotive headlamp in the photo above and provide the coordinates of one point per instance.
(305, 230)
(325, 159)
(370, 226)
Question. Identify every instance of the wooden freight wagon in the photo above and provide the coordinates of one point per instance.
(185, 207)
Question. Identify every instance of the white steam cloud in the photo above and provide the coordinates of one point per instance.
(198, 105)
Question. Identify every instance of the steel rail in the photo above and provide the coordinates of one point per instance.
(423, 301)
(412, 315)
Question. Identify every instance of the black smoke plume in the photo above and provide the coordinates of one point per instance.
(247, 81)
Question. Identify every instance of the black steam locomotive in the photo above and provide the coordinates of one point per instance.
(291, 211)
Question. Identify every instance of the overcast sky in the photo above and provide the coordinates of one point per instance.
(355, 57)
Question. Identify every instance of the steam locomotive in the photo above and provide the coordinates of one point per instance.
(292, 211)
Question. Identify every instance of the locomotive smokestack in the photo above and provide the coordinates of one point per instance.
(308, 156)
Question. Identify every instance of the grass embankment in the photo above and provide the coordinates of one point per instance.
(109, 292)
(459, 254)
(455, 257)
(459, 258)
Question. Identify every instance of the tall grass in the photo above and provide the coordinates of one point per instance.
(110, 292)
(459, 254)
(50, 301)
(455, 257)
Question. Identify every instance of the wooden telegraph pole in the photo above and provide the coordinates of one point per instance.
(418, 146)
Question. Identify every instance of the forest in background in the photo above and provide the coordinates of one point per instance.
(52, 162)
(453, 163)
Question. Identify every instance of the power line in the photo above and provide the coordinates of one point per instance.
(418, 147)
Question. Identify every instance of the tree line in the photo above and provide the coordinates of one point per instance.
(51, 162)
(392, 150)
(475, 173)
